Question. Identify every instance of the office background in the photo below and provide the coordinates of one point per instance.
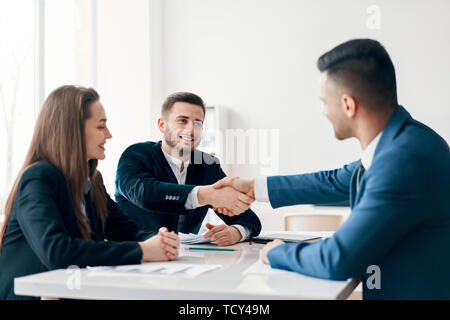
(254, 57)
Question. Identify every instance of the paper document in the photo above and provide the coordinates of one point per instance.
(192, 238)
(161, 268)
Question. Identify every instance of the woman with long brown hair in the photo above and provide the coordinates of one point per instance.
(58, 213)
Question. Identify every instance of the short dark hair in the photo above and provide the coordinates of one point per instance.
(187, 97)
(364, 66)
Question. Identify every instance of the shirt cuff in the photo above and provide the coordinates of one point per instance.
(192, 199)
(245, 232)
(261, 190)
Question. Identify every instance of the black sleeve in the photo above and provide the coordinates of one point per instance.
(37, 210)
(137, 181)
(119, 227)
(248, 219)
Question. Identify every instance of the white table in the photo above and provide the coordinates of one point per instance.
(228, 282)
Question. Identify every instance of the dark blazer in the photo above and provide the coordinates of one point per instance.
(148, 191)
(400, 218)
(42, 232)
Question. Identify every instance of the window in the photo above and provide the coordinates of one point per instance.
(69, 55)
(43, 44)
(17, 110)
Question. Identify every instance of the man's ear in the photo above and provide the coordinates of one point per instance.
(161, 125)
(349, 105)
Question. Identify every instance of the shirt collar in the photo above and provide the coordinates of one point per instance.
(369, 152)
(177, 162)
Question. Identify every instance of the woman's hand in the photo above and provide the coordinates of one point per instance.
(162, 247)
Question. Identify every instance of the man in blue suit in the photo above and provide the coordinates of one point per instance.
(397, 236)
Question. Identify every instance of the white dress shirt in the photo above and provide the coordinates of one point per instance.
(369, 152)
(262, 192)
(192, 199)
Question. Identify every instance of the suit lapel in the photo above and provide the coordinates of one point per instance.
(193, 176)
(395, 123)
(93, 219)
(353, 188)
(164, 164)
(393, 126)
(194, 173)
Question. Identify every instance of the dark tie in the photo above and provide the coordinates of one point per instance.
(359, 175)
(181, 217)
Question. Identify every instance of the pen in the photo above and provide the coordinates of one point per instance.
(212, 249)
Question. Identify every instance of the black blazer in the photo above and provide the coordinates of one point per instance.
(148, 191)
(42, 232)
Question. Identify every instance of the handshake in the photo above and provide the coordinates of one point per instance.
(229, 196)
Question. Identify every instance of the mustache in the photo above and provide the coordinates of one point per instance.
(176, 135)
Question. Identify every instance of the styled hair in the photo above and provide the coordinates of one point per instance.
(187, 97)
(364, 67)
(59, 139)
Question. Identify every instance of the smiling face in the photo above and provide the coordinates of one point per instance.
(96, 132)
(182, 128)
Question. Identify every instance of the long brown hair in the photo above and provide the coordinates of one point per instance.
(59, 139)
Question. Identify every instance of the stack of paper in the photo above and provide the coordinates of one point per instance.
(161, 268)
(192, 238)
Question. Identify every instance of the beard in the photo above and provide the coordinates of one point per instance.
(172, 138)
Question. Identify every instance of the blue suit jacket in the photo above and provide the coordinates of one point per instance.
(400, 219)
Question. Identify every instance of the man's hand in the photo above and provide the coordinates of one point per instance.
(223, 235)
(225, 197)
(241, 185)
(270, 245)
(162, 247)
(246, 186)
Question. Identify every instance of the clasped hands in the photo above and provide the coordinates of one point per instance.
(163, 246)
(229, 196)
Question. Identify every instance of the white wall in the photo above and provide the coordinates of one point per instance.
(257, 57)
(123, 77)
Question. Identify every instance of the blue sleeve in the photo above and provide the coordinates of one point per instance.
(390, 207)
(323, 187)
(247, 219)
